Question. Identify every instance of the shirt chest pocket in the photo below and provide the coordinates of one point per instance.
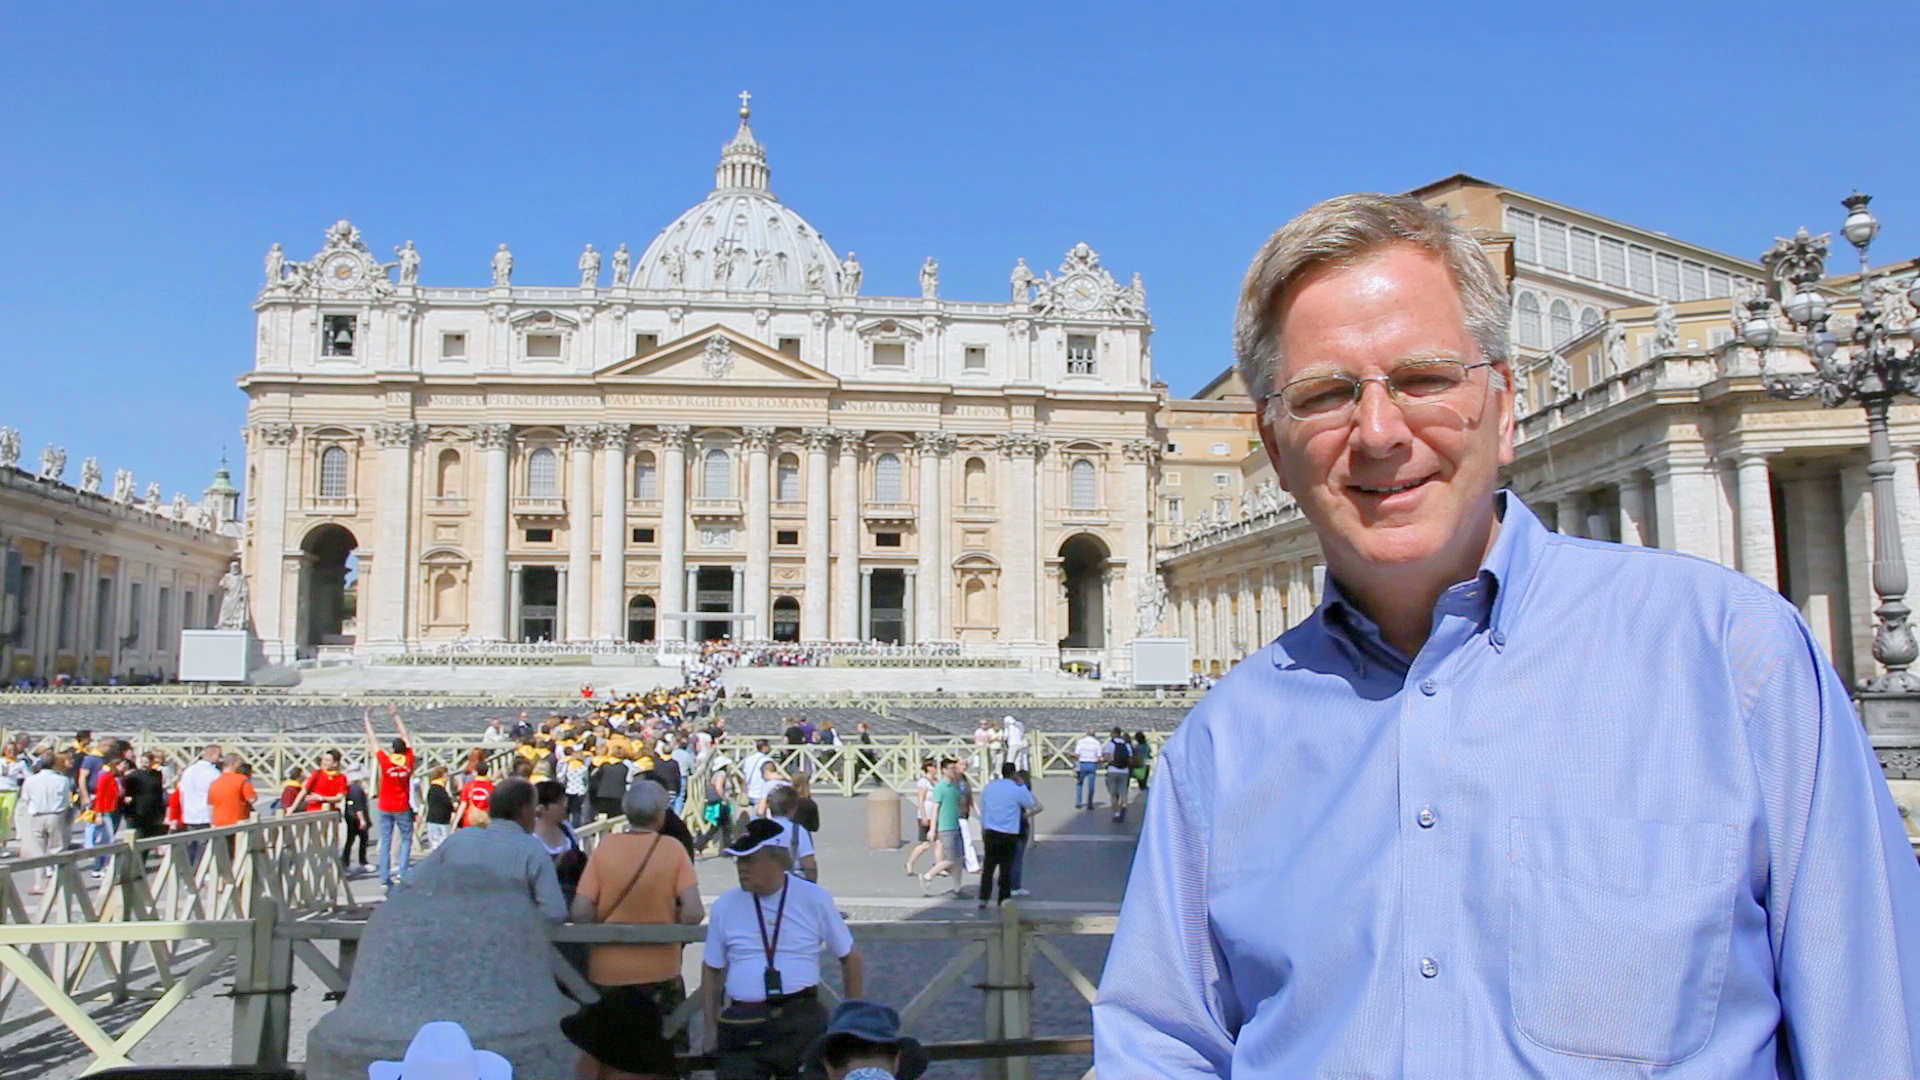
(1618, 934)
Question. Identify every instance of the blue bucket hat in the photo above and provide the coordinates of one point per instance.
(870, 1022)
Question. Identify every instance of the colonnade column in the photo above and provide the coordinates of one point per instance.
(1022, 561)
(813, 614)
(493, 625)
(577, 584)
(908, 610)
(1135, 544)
(561, 607)
(513, 605)
(1633, 510)
(924, 614)
(1566, 514)
(611, 623)
(849, 586)
(674, 596)
(390, 567)
(268, 551)
(759, 538)
(866, 603)
(1685, 509)
(1757, 554)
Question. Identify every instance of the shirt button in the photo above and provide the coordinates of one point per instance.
(1429, 687)
(1428, 968)
(1499, 640)
(1425, 817)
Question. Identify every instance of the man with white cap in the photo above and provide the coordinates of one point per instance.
(763, 956)
(440, 1050)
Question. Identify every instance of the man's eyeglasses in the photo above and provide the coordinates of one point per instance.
(1415, 385)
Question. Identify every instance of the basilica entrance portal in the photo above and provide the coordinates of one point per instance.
(713, 591)
(329, 588)
(1083, 572)
(539, 603)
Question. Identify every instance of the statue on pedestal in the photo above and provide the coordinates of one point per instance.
(123, 486)
(589, 268)
(409, 263)
(9, 447)
(1022, 281)
(929, 279)
(90, 475)
(233, 598)
(276, 266)
(502, 266)
(1152, 605)
(676, 266)
(621, 260)
(53, 462)
(850, 275)
(1666, 329)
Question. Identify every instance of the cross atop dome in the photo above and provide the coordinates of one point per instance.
(743, 161)
(745, 98)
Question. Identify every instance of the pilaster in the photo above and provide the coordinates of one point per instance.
(492, 622)
(759, 537)
(576, 591)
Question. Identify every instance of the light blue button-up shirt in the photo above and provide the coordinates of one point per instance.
(1615, 819)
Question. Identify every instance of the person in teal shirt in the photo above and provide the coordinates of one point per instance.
(946, 827)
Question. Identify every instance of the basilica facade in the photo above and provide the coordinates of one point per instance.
(721, 437)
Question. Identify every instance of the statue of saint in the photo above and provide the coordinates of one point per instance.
(816, 279)
(762, 277)
(1022, 281)
(90, 475)
(409, 263)
(123, 486)
(1152, 605)
(502, 266)
(276, 266)
(850, 275)
(929, 279)
(676, 265)
(153, 496)
(589, 268)
(1666, 329)
(9, 447)
(723, 257)
(620, 262)
(53, 462)
(233, 598)
(1559, 377)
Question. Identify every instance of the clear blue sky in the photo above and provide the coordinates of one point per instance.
(152, 152)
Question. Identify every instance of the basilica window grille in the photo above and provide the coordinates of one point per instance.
(1613, 262)
(1520, 224)
(453, 346)
(336, 335)
(1693, 282)
(975, 358)
(646, 477)
(1553, 244)
(716, 475)
(889, 354)
(1586, 261)
(1640, 270)
(333, 473)
(1589, 318)
(1083, 485)
(1526, 320)
(1081, 357)
(543, 474)
(1559, 321)
(886, 478)
(1719, 283)
(1667, 280)
(787, 479)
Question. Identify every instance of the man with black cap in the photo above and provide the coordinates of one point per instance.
(763, 955)
(863, 1042)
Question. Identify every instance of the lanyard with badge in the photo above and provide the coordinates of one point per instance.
(772, 974)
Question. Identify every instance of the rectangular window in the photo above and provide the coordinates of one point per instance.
(1221, 479)
(787, 537)
(1586, 262)
(1720, 336)
(1520, 224)
(213, 612)
(1172, 479)
(543, 346)
(1173, 448)
(1693, 281)
(337, 333)
(886, 539)
(1667, 277)
(645, 343)
(643, 536)
(1640, 270)
(1553, 244)
(1613, 262)
(539, 536)
(889, 355)
(790, 346)
(1080, 355)
(453, 346)
(162, 613)
(1173, 508)
(1596, 369)
(976, 358)
(1719, 283)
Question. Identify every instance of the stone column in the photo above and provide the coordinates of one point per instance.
(692, 581)
(923, 617)
(676, 596)
(1817, 549)
(388, 626)
(813, 607)
(759, 538)
(612, 608)
(1856, 507)
(909, 605)
(739, 585)
(577, 586)
(1686, 511)
(493, 623)
(513, 607)
(866, 603)
(945, 615)
(1203, 624)
(46, 603)
(1633, 510)
(849, 586)
(561, 609)
(266, 556)
(1756, 519)
(1567, 514)
(1022, 560)
(1906, 494)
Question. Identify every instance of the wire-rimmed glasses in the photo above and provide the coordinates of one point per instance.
(1414, 386)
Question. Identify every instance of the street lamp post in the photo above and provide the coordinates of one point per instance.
(1873, 371)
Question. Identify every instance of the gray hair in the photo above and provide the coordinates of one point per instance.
(645, 802)
(1341, 231)
(779, 853)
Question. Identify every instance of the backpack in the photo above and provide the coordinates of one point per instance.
(1120, 754)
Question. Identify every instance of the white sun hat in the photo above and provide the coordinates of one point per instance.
(440, 1050)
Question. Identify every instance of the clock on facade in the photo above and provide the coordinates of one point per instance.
(342, 271)
(1081, 292)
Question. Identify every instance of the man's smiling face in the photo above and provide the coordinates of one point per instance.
(1390, 493)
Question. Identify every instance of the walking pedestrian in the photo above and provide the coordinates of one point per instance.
(144, 794)
(45, 811)
(1117, 756)
(923, 812)
(1086, 764)
(1003, 803)
(1142, 760)
(195, 779)
(440, 808)
(359, 822)
(949, 856)
(1019, 868)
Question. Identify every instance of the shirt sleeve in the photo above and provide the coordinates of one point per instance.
(714, 953)
(833, 928)
(1843, 890)
(803, 842)
(546, 884)
(1163, 993)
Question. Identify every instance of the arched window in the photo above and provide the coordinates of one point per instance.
(1589, 318)
(333, 473)
(543, 474)
(1559, 322)
(1526, 320)
(976, 482)
(447, 475)
(646, 478)
(1083, 492)
(640, 619)
(716, 475)
(787, 479)
(886, 478)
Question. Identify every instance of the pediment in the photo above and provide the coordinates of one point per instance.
(716, 356)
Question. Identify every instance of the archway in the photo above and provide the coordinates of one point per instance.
(786, 619)
(641, 619)
(329, 588)
(1083, 572)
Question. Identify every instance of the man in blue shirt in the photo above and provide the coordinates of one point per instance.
(1507, 803)
(1002, 804)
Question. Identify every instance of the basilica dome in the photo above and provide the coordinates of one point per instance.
(740, 239)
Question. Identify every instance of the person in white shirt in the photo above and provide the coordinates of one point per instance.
(46, 809)
(762, 960)
(1086, 758)
(761, 783)
(781, 804)
(1016, 734)
(494, 735)
(923, 809)
(195, 813)
(1002, 803)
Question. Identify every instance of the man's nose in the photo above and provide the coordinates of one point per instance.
(1379, 427)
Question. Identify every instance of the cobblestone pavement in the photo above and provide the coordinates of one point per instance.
(1078, 865)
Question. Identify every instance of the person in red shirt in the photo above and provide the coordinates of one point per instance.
(326, 786)
(103, 811)
(393, 800)
(476, 797)
(290, 789)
